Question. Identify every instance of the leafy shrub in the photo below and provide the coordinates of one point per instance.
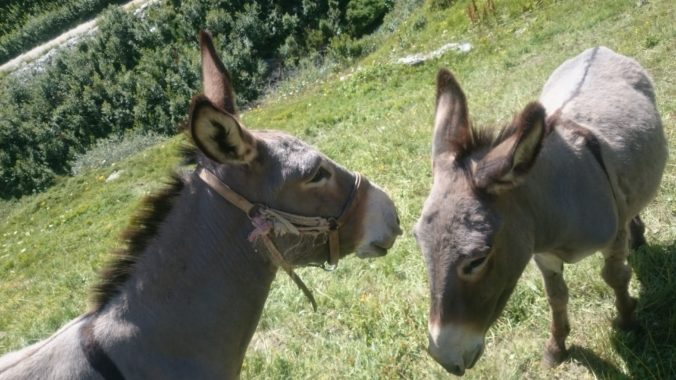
(345, 47)
(138, 73)
(29, 23)
(363, 16)
(441, 4)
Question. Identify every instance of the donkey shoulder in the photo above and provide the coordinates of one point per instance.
(612, 96)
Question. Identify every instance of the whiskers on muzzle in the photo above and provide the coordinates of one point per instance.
(380, 224)
(456, 348)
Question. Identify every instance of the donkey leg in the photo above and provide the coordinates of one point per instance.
(637, 229)
(617, 274)
(557, 295)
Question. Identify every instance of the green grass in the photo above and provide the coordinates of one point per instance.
(377, 119)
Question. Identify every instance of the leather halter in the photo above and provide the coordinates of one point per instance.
(267, 220)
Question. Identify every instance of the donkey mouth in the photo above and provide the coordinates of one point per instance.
(373, 250)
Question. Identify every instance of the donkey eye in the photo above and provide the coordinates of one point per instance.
(472, 265)
(320, 175)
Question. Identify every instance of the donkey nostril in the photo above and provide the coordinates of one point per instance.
(397, 227)
(455, 369)
(475, 356)
(452, 368)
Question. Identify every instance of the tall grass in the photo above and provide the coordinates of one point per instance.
(111, 150)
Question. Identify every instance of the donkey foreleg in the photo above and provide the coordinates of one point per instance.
(557, 295)
(637, 229)
(617, 274)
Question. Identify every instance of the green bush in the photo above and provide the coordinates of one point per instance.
(31, 23)
(441, 4)
(344, 47)
(139, 73)
(364, 16)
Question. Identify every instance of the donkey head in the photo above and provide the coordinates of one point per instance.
(469, 231)
(281, 172)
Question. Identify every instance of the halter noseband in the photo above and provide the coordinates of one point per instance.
(266, 220)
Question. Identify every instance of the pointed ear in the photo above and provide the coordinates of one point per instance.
(451, 124)
(508, 163)
(218, 134)
(215, 78)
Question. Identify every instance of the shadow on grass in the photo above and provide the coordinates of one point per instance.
(602, 369)
(650, 352)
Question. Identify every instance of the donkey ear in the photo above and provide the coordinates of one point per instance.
(218, 134)
(451, 125)
(215, 78)
(508, 163)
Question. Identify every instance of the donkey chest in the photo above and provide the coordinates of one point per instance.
(569, 256)
(572, 242)
(576, 230)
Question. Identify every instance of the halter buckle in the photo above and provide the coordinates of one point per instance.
(255, 210)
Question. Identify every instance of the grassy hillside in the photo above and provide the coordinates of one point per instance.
(26, 24)
(377, 118)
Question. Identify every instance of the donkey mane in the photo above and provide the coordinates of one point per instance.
(482, 138)
(485, 137)
(141, 229)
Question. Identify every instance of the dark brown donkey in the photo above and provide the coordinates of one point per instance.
(183, 301)
(564, 180)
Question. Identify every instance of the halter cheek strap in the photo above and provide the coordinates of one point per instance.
(334, 224)
(266, 220)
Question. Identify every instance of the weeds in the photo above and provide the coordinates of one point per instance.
(114, 149)
(488, 10)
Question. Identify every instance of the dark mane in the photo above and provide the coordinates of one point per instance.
(143, 227)
(482, 138)
(486, 137)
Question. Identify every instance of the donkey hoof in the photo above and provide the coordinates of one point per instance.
(552, 358)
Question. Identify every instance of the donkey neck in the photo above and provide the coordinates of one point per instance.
(568, 197)
(196, 293)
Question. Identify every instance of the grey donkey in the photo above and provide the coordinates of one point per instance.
(183, 300)
(568, 177)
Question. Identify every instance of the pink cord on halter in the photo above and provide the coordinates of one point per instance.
(262, 227)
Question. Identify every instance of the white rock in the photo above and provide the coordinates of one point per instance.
(416, 59)
(114, 175)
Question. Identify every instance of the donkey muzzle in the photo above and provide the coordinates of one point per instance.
(456, 348)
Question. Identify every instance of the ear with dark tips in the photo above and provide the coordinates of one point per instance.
(451, 125)
(508, 163)
(215, 78)
(219, 135)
